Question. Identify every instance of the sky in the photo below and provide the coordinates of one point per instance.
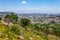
(30, 6)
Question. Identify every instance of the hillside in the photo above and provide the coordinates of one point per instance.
(13, 29)
(2, 14)
(28, 33)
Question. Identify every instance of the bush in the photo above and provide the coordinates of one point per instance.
(52, 22)
(15, 30)
(11, 18)
(24, 22)
(56, 30)
(37, 27)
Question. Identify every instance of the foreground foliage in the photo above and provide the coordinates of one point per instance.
(32, 32)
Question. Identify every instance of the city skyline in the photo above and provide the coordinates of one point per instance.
(30, 6)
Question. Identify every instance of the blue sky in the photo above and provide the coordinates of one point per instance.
(30, 6)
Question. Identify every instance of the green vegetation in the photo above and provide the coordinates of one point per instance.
(24, 22)
(15, 30)
(11, 17)
(24, 30)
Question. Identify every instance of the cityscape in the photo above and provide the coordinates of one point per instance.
(37, 17)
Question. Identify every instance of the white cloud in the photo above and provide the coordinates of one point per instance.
(24, 2)
(33, 10)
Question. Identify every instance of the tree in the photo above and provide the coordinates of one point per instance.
(7, 18)
(52, 22)
(14, 17)
(11, 18)
(24, 22)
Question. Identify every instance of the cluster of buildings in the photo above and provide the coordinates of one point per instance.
(37, 17)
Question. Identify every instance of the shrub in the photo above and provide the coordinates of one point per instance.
(37, 27)
(24, 22)
(56, 30)
(15, 30)
(52, 22)
(11, 18)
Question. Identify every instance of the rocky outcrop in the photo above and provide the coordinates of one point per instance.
(6, 39)
(7, 24)
(21, 38)
(0, 34)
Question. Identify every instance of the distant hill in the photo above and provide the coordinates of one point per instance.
(2, 14)
(39, 14)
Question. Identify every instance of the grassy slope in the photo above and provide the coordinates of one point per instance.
(28, 35)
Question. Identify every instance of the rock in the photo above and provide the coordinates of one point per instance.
(53, 37)
(0, 34)
(31, 38)
(10, 24)
(6, 39)
(21, 38)
(7, 24)
(28, 29)
(38, 36)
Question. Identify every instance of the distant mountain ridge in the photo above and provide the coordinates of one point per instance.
(2, 14)
(5, 12)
